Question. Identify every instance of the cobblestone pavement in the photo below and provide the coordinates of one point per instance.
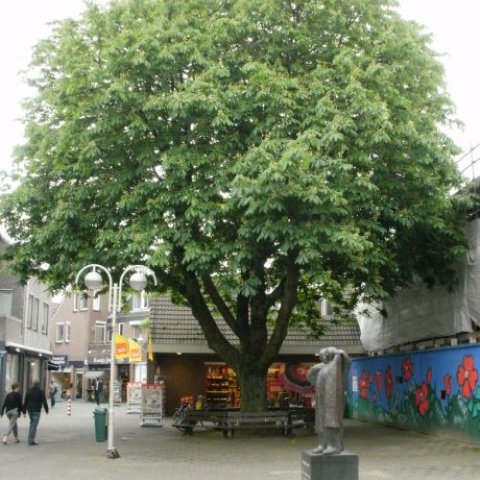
(68, 449)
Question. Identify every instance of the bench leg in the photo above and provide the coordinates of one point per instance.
(227, 430)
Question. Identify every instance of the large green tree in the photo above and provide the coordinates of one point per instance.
(256, 154)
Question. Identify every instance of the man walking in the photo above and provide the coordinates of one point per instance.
(34, 400)
(98, 391)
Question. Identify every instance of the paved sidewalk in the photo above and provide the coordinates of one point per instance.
(68, 449)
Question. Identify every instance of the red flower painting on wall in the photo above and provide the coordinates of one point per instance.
(363, 383)
(407, 369)
(388, 381)
(467, 376)
(421, 399)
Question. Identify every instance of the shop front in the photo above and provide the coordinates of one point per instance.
(99, 366)
(23, 365)
(191, 376)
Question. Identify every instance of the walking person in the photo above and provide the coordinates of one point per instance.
(13, 406)
(98, 391)
(34, 400)
(52, 393)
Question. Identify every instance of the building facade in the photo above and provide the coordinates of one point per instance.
(81, 342)
(25, 321)
(189, 369)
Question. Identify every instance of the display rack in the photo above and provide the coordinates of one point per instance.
(221, 387)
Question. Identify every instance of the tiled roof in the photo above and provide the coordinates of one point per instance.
(172, 324)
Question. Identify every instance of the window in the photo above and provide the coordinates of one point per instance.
(80, 302)
(326, 309)
(136, 331)
(96, 302)
(100, 331)
(29, 310)
(35, 313)
(121, 328)
(45, 314)
(60, 333)
(139, 301)
(6, 297)
(68, 331)
(33, 306)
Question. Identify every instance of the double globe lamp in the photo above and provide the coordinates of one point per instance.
(93, 280)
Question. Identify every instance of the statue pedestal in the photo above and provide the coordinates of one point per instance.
(343, 466)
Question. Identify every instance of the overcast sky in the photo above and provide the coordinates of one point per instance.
(453, 24)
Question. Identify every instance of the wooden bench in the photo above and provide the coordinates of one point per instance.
(270, 419)
(229, 420)
(189, 419)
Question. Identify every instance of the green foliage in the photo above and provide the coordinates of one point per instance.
(244, 150)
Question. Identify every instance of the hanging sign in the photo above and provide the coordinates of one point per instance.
(121, 347)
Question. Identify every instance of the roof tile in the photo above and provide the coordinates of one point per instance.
(176, 325)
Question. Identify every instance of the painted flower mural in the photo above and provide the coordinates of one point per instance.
(379, 380)
(415, 390)
(388, 381)
(363, 383)
(429, 376)
(421, 399)
(407, 369)
(467, 376)
(447, 383)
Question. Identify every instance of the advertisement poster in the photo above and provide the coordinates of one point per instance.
(117, 394)
(134, 397)
(152, 403)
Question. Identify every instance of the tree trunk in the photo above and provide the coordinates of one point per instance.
(253, 388)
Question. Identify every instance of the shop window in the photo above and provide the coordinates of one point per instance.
(221, 386)
(12, 371)
(6, 297)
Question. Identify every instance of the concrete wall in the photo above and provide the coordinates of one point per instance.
(435, 391)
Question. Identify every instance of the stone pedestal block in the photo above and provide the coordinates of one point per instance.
(343, 466)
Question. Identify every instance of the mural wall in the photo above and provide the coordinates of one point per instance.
(428, 390)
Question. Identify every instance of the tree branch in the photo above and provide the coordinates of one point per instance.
(218, 301)
(215, 338)
(289, 300)
(276, 294)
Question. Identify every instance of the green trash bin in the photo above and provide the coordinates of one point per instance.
(100, 416)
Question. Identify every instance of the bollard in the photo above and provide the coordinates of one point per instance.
(69, 407)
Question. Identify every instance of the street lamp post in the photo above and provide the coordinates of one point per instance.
(93, 281)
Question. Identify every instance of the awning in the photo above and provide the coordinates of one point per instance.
(25, 348)
(94, 374)
(52, 367)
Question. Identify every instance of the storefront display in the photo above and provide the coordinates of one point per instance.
(221, 387)
(287, 384)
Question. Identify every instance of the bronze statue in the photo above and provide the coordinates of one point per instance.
(329, 378)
